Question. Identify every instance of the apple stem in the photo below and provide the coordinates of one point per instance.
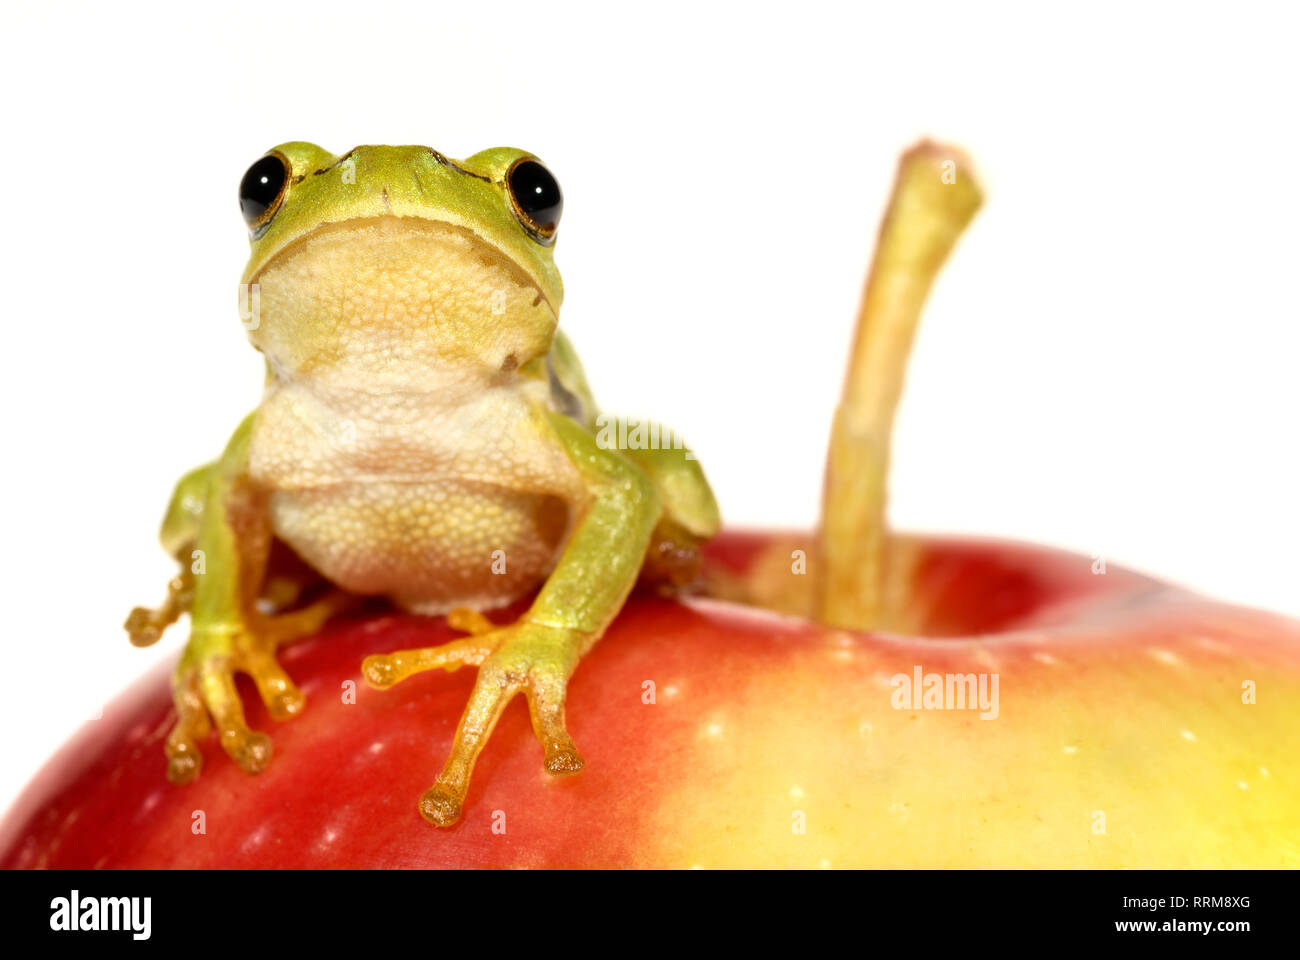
(935, 196)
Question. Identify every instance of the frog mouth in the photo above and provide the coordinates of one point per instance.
(390, 238)
(391, 298)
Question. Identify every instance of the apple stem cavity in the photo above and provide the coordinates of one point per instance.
(935, 196)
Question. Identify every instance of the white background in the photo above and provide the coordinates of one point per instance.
(1109, 363)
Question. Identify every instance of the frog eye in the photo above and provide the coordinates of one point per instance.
(536, 198)
(262, 189)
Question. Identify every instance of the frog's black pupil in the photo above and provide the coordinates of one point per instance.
(260, 187)
(537, 195)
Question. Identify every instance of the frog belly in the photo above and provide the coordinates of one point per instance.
(429, 546)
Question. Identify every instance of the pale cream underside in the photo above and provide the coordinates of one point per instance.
(400, 462)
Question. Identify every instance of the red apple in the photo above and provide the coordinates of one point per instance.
(1121, 739)
(1134, 724)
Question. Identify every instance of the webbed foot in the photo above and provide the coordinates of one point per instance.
(203, 685)
(525, 657)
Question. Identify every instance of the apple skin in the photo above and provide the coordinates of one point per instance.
(1118, 695)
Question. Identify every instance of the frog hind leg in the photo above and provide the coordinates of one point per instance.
(690, 512)
(538, 653)
(228, 633)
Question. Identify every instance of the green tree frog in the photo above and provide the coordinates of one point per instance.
(425, 435)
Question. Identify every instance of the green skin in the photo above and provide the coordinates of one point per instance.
(350, 261)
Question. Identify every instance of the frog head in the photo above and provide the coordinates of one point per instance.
(397, 266)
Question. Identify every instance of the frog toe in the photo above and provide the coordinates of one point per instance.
(283, 700)
(250, 749)
(143, 626)
(545, 694)
(284, 628)
(184, 761)
(468, 620)
(383, 670)
(184, 758)
(441, 805)
(564, 761)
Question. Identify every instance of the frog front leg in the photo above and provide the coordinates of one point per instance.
(538, 653)
(228, 634)
(180, 530)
